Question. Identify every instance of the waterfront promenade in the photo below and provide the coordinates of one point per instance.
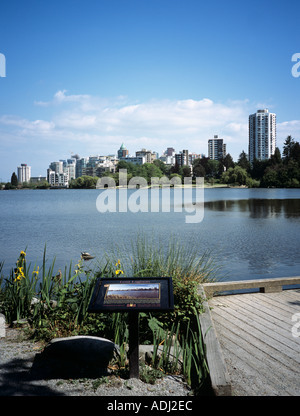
(253, 340)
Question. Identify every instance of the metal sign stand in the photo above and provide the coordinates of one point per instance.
(146, 294)
(133, 344)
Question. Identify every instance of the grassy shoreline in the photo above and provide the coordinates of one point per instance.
(56, 304)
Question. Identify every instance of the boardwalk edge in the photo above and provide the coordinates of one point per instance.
(218, 373)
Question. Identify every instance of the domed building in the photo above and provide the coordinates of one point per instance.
(122, 152)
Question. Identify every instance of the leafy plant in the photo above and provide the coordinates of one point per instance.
(149, 374)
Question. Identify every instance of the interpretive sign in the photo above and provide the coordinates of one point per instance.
(132, 294)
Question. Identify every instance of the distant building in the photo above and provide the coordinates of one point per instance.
(138, 160)
(122, 152)
(60, 173)
(170, 151)
(262, 135)
(168, 156)
(182, 158)
(37, 179)
(24, 173)
(56, 167)
(80, 166)
(57, 179)
(216, 148)
(149, 156)
(168, 160)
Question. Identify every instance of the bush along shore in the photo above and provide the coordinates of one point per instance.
(54, 304)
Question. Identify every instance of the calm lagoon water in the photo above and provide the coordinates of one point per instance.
(252, 233)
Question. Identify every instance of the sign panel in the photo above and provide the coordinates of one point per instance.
(132, 294)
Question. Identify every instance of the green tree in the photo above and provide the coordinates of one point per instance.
(291, 150)
(258, 168)
(228, 161)
(295, 153)
(236, 175)
(185, 171)
(243, 161)
(212, 169)
(198, 168)
(8, 185)
(14, 179)
(84, 182)
(150, 170)
(162, 166)
(287, 148)
(199, 171)
(270, 178)
(276, 158)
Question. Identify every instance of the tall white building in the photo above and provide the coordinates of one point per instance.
(262, 135)
(24, 173)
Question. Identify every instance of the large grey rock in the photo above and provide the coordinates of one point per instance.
(78, 356)
(86, 349)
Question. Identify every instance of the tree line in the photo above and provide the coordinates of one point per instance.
(281, 171)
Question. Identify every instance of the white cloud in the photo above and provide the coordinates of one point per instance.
(99, 125)
(35, 126)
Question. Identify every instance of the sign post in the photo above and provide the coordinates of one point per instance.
(133, 295)
(133, 344)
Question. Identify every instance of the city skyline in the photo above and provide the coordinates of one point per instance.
(216, 149)
(84, 77)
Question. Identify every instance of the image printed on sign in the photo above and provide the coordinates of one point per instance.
(137, 292)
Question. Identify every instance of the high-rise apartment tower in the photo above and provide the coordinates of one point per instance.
(24, 173)
(216, 148)
(262, 135)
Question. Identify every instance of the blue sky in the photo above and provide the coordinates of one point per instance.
(84, 76)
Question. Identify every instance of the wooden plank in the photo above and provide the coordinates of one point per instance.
(259, 332)
(255, 333)
(291, 293)
(243, 377)
(266, 308)
(253, 312)
(265, 285)
(255, 336)
(262, 357)
(282, 302)
(278, 299)
(258, 306)
(218, 373)
(246, 303)
(256, 367)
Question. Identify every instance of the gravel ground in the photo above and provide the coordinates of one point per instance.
(17, 356)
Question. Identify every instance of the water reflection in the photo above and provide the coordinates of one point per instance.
(258, 208)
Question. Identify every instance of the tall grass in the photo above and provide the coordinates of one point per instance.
(155, 258)
(42, 294)
(55, 303)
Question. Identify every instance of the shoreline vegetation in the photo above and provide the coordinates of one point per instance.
(55, 304)
(205, 186)
(280, 171)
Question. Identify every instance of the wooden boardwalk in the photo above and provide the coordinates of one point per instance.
(260, 341)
